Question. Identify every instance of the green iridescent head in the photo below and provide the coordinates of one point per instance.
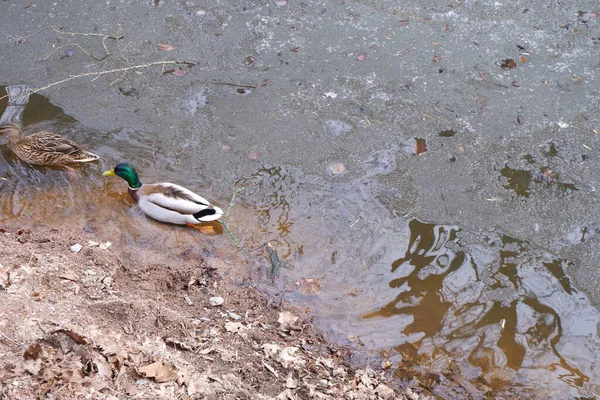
(126, 172)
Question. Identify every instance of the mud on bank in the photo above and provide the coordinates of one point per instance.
(81, 321)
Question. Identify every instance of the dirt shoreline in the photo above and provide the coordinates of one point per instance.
(78, 320)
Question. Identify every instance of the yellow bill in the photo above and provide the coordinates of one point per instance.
(109, 173)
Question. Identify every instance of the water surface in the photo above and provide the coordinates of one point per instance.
(467, 313)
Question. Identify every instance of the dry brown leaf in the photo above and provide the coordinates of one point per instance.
(166, 47)
(287, 357)
(420, 146)
(178, 344)
(270, 349)
(177, 71)
(234, 326)
(76, 337)
(33, 352)
(161, 371)
(270, 368)
(69, 276)
(286, 318)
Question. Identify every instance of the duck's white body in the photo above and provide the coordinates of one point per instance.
(168, 202)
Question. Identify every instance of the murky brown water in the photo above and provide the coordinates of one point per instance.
(450, 304)
(466, 312)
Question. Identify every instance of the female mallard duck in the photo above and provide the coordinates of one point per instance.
(45, 148)
(167, 202)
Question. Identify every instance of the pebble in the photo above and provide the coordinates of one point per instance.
(291, 383)
(76, 248)
(107, 281)
(234, 316)
(337, 168)
(216, 301)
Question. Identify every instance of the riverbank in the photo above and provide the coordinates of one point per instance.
(80, 320)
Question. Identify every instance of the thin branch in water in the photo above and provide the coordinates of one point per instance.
(232, 201)
(232, 236)
(122, 78)
(98, 74)
(57, 30)
(485, 79)
(79, 47)
(121, 50)
(265, 83)
(104, 37)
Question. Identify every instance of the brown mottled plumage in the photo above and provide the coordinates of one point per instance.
(45, 148)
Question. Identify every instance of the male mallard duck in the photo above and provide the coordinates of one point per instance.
(167, 202)
(45, 148)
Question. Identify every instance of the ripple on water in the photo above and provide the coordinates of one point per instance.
(504, 310)
(486, 310)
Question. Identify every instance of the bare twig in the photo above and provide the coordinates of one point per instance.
(122, 78)
(98, 74)
(60, 31)
(154, 151)
(234, 239)
(9, 339)
(57, 30)
(485, 79)
(121, 50)
(411, 16)
(232, 200)
(47, 56)
(241, 85)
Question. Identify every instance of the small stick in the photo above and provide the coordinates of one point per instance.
(79, 47)
(98, 74)
(233, 196)
(66, 33)
(234, 239)
(104, 38)
(9, 339)
(410, 16)
(485, 79)
(242, 85)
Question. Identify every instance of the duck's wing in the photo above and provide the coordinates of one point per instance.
(50, 143)
(177, 198)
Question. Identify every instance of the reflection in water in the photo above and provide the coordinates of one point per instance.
(503, 310)
(470, 314)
